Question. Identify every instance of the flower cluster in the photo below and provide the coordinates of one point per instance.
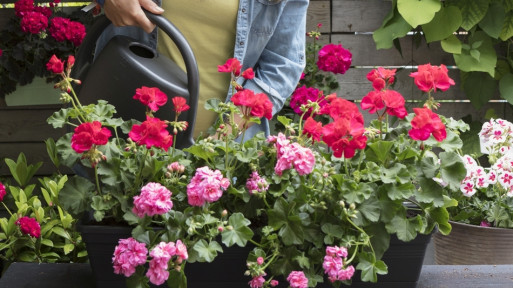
(314, 186)
(488, 191)
(31, 37)
(29, 226)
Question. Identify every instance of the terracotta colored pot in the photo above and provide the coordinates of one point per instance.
(474, 245)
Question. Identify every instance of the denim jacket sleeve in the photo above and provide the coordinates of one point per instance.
(275, 47)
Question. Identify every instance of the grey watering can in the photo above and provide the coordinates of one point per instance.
(125, 64)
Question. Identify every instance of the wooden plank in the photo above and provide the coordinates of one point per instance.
(5, 15)
(364, 52)
(318, 12)
(358, 15)
(27, 125)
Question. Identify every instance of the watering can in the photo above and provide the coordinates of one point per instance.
(125, 64)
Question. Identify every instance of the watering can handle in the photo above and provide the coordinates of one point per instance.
(85, 52)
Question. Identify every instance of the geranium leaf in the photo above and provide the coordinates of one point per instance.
(452, 169)
(331, 231)
(396, 174)
(379, 238)
(59, 118)
(201, 153)
(405, 228)
(429, 166)
(370, 208)
(431, 192)
(398, 191)
(240, 232)
(370, 267)
(207, 251)
(281, 217)
(75, 194)
(440, 216)
(177, 279)
(379, 151)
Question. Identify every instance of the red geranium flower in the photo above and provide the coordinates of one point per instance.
(88, 134)
(232, 65)
(151, 97)
(29, 226)
(2, 191)
(313, 129)
(180, 104)
(301, 96)
(381, 77)
(152, 132)
(55, 65)
(256, 105)
(344, 136)
(33, 22)
(342, 108)
(248, 74)
(334, 58)
(429, 78)
(21, 7)
(426, 123)
(392, 100)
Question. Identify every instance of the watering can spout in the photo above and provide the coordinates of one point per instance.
(125, 64)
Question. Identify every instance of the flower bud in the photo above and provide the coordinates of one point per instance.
(224, 213)
(260, 260)
(220, 229)
(352, 206)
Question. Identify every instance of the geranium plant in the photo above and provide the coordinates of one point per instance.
(37, 228)
(315, 202)
(486, 196)
(35, 33)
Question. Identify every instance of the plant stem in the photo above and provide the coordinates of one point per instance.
(97, 179)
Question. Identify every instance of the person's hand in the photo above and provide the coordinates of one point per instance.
(130, 13)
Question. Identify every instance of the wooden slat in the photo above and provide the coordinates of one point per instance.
(358, 15)
(27, 124)
(318, 12)
(5, 15)
(364, 52)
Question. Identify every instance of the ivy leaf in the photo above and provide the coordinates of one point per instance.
(493, 21)
(418, 12)
(392, 29)
(507, 28)
(240, 234)
(443, 25)
(207, 251)
(479, 88)
(451, 45)
(472, 11)
(506, 87)
(487, 55)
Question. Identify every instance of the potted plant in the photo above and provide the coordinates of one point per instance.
(312, 204)
(482, 218)
(30, 38)
(35, 228)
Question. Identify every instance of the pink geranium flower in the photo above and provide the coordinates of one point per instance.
(256, 183)
(154, 199)
(2, 191)
(128, 254)
(297, 279)
(206, 185)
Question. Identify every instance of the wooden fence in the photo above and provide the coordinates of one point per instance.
(348, 22)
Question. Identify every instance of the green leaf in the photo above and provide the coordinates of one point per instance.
(207, 251)
(75, 195)
(440, 216)
(283, 216)
(405, 228)
(61, 232)
(370, 209)
(240, 234)
(452, 142)
(472, 12)
(430, 192)
(331, 231)
(451, 44)
(393, 29)
(487, 59)
(177, 279)
(69, 247)
(370, 267)
(396, 174)
(506, 87)
(418, 12)
(452, 169)
(52, 151)
(479, 88)
(444, 24)
(429, 166)
(21, 171)
(379, 151)
(507, 28)
(493, 21)
(60, 118)
(201, 153)
(398, 191)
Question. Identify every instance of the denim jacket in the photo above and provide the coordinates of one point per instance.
(270, 37)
